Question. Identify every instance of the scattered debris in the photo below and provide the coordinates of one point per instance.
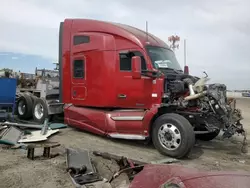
(80, 167)
(165, 161)
(10, 136)
(244, 148)
(16, 138)
(3, 127)
(37, 136)
(22, 125)
(242, 161)
(34, 126)
(57, 126)
(118, 159)
(83, 171)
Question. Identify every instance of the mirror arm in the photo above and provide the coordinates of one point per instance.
(152, 75)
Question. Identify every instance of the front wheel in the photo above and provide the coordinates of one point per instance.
(173, 135)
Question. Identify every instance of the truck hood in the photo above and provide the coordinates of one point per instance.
(162, 176)
(177, 75)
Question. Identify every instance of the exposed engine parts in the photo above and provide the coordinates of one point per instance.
(204, 105)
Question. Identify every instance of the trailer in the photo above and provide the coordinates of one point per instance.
(38, 95)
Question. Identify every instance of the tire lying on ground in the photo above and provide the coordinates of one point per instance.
(208, 136)
(24, 107)
(173, 135)
(40, 110)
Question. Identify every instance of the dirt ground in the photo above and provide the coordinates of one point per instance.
(18, 171)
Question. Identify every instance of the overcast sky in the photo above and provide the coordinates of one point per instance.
(217, 32)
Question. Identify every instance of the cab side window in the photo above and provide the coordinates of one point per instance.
(81, 39)
(126, 61)
(78, 68)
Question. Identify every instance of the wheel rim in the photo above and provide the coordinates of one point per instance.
(169, 136)
(38, 111)
(21, 107)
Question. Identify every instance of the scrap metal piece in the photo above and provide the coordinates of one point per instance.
(34, 126)
(117, 158)
(80, 167)
(22, 125)
(10, 136)
(87, 178)
(36, 136)
(45, 127)
(244, 148)
(165, 161)
(3, 127)
(78, 158)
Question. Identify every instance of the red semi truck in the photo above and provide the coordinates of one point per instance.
(124, 83)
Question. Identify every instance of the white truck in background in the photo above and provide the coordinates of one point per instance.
(38, 95)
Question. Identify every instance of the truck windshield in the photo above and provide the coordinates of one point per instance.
(163, 58)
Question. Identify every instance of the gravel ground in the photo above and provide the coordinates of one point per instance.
(18, 171)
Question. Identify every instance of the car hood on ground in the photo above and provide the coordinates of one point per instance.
(159, 176)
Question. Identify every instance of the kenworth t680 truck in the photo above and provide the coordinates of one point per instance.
(122, 82)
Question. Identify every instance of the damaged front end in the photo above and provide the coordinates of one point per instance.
(208, 108)
(224, 109)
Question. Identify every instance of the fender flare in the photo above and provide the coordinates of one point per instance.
(149, 118)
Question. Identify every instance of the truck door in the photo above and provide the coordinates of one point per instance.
(132, 93)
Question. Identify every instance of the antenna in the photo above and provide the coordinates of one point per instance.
(185, 53)
(147, 31)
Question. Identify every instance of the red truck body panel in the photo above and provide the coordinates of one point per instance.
(94, 85)
(128, 124)
(103, 81)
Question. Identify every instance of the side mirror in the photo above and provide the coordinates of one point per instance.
(136, 67)
(186, 69)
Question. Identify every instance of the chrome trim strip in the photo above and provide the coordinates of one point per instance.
(127, 136)
(129, 110)
(127, 118)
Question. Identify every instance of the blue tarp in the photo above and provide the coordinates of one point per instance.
(8, 93)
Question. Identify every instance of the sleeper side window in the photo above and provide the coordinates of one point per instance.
(78, 68)
(81, 39)
(126, 61)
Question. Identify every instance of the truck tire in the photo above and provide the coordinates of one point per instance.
(173, 135)
(24, 107)
(208, 136)
(40, 110)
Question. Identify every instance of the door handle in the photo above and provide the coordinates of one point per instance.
(74, 93)
(122, 96)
